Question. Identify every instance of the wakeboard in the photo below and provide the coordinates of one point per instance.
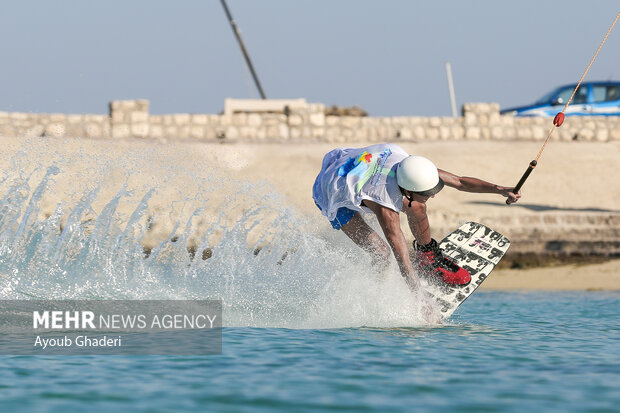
(474, 247)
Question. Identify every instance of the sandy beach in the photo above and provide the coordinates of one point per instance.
(573, 277)
(572, 176)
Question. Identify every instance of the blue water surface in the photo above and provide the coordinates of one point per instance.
(500, 352)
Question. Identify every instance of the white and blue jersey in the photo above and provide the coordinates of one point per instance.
(351, 175)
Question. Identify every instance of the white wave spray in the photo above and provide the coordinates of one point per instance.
(266, 261)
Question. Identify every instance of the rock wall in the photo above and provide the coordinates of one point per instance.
(274, 120)
(558, 234)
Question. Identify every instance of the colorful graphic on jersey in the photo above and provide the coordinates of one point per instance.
(356, 166)
(373, 174)
(368, 166)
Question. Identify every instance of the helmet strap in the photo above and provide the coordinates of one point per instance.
(409, 197)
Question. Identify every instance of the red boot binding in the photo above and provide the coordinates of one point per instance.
(432, 261)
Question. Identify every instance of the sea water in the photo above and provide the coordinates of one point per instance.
(502, 352)
(309, 324)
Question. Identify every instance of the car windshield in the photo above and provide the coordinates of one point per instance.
(548, 96)
(554, 93)
(561, 95)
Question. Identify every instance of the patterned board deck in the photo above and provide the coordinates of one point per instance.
(476, 248)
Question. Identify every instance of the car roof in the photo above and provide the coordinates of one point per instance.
(594, 82)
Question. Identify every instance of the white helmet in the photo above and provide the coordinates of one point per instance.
(418, 174)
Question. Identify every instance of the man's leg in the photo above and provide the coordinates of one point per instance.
(363, 235)
(430, 256)
(418, 222)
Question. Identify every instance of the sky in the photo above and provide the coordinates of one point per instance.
(386, 56)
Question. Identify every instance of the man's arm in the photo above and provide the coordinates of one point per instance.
(469, 184)
(390, 223)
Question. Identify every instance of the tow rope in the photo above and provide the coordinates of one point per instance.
(559, 118)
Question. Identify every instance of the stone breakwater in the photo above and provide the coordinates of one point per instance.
(296, 120)
(586, 222)
(555, 234)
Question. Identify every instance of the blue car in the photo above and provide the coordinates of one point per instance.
(592, 99)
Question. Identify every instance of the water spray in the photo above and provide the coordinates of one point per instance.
(559, 118)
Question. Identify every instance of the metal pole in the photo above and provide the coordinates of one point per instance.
(243, 49)
(451, 87)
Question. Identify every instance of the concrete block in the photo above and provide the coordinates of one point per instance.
(181, 119)
(247, 132)
(120, 131)
(141, 105)
(295, 132)
(171, 131)
(156, 131)
(445, 132)
(214, 120)
(93, 130)
(332, 120)
(240, 119)
(273, 132)
(283, 131)
(349, 121)
(524, 133)
(138, 117)
(586, 134)
(614, 134)
(231, 132)
(318, 133)
(74, 119)
(75, 131)
(419, 132)
(118, 116)
(564, 135)
(140, 130)
(35, 131)
(406, 133)
(183, 131)
(601, 135)
(458, 132)
(7, 130)
(347, 133)
(361, 134)
(295, 120)
(197, 132)
(23, 116)
(127, 105)
(95, 118)
(470, 119)
(506, 120)
(55, 130)
(539, 133)
(317, 119)
(472, 132)
(211, 133)
(198, 119)
(261, 133)
(432, 133)
(232, 106)
(254, 120)
(332, 133)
